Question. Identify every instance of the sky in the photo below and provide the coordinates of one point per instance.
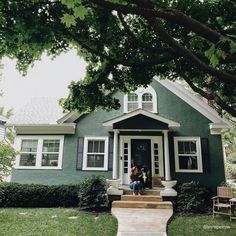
(48, 78)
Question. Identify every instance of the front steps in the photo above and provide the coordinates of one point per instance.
(146, 198)
(150, 199)
(142, 204)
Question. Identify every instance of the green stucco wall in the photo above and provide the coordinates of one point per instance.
(88, 125)
(171, 107)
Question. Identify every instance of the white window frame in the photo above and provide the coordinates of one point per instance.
(198, 154)
(85, 159)
(40, 139)
(140, 91)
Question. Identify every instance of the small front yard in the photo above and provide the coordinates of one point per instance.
(55, 222)
(201, 226)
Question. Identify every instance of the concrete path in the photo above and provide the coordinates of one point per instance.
(142, 222)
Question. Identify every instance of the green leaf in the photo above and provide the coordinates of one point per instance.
(123, 2)
(220, 53)
(210, 51)
(214, 60)
(232, 47)
(68, 20)
(70, 3)
(80, 12)
(220, 20)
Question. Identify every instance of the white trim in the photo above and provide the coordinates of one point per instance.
(140, 91)
(171, 124)
(153, 139)
(69, 117)
(32, 129)
(40, 139)
(102, 138)
(167, 156)
(115, 155)
(198, 154)
(193, 101)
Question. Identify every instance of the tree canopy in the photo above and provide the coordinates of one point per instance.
(127, 42)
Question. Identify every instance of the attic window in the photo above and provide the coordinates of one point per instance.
(147, 101)
(132, 101)
(142, 98)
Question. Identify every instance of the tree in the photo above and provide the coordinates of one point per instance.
(126, 43)
(7, 157)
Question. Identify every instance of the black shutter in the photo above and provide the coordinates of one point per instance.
(110, 154)
(80, 153)
(205, 155)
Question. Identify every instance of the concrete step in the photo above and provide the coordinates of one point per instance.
(145, 198)
(145, 192)
(142, 204)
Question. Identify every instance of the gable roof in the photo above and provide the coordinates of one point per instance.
(38, 111)
(194, 102)
(171, 124)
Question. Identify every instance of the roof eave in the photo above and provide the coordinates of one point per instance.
(68, 128)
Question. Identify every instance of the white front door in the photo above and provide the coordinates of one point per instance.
(126, 156)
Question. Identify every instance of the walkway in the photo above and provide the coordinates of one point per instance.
(141, 221)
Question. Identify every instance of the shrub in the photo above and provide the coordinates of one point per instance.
(230, 170)
(35, 195)
(92, 194)
(232, 158)
(193, 198)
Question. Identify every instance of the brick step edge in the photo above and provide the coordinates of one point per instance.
(145, 192)
(149, 198)
(142, 204)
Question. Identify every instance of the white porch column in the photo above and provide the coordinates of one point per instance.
(115, 155)
(167, 156)
(168, 183)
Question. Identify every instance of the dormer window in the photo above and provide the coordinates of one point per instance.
(132, 101)
(142, 98)
(147, 102)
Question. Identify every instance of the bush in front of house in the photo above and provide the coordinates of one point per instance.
(193, 198)
(35, 195)
(231, 166)
(92, 194)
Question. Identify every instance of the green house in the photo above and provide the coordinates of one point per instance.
(163, 127)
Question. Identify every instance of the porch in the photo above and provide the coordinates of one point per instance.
(141, 139)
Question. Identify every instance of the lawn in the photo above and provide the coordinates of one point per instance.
(201, 226)
(55, 222)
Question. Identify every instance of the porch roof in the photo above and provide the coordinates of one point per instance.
(141, 120)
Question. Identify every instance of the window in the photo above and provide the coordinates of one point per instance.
(28, 152)
(39, 152)
(188, 154)
(132, 101)
(142, 98)
(95, 153)
(147, 103)
(50, 153)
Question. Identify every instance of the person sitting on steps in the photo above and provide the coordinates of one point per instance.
(135, 183)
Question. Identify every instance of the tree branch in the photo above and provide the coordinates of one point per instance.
(209, 96)
(138, 41)
(187, 54)
(171, 15)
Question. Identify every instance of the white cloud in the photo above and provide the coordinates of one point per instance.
(48, 78)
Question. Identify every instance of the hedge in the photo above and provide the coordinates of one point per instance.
(35, 195)
(89, 194)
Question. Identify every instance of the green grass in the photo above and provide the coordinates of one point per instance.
(55, 222)
(201, 226)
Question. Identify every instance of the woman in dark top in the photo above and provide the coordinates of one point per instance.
(135, 183)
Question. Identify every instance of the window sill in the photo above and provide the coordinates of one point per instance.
(188, 171)
(96, 169)
(37, 168)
